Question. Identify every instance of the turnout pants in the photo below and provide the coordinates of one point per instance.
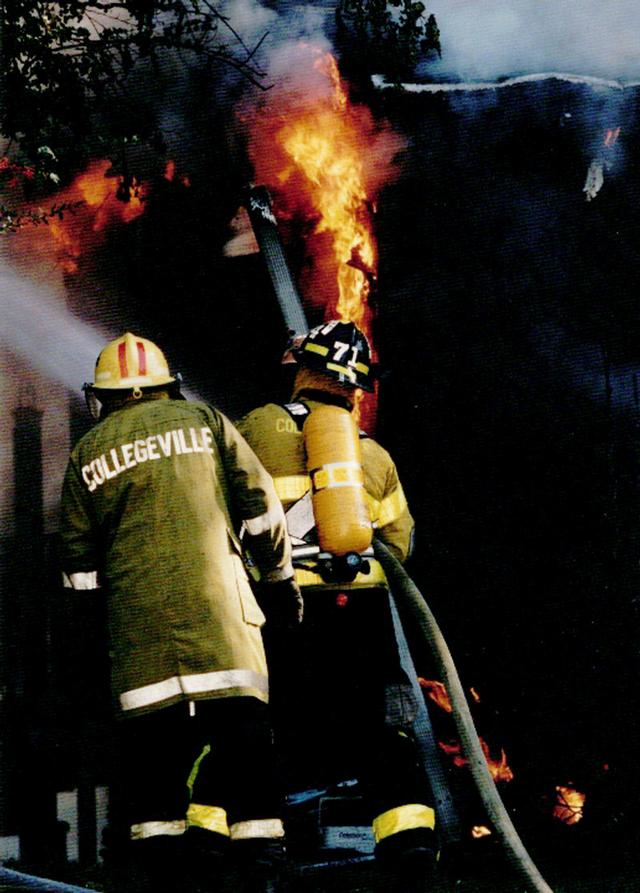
(343, 708)
(235, 792)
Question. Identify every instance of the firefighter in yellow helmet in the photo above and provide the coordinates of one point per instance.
(344, 705)
(155, 499)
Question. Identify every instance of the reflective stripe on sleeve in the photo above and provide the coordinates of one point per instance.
(191, 685)
(155, 829)
(211, 818)
(403, 818)
(291, 487)
(272, 828)
(388, 509)
(81, 580)
(263, 523)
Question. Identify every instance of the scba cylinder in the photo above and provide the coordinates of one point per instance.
(334, 462)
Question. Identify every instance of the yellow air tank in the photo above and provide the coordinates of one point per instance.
(334, 463)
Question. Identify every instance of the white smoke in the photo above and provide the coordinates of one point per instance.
(38, 328)
(497, 38)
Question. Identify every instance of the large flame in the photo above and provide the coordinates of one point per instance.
(94, 202)
(323, 143)
(323, 158)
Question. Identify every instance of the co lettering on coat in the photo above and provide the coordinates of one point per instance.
(178, 442)
(287, 425)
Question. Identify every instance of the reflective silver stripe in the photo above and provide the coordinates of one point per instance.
(190, 685)
(264, 522)
(257, 828)
(155, 829)
(81, 580)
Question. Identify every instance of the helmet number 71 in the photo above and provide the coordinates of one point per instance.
(341, 349)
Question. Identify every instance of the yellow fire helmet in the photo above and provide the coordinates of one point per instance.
(131, 362)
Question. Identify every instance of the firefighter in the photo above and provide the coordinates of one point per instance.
(155, 499)
(343, 693)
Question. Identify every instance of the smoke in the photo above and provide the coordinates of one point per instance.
(38, 328)
(498, 38)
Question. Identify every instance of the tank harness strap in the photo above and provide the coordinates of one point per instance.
(298, 412)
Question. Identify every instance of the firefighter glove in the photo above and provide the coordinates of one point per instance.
(282, 603)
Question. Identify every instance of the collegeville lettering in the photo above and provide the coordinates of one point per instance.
(178, 442)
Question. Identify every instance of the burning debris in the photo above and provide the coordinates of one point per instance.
(436, 692)
(480, 831)
(569, 805)
(499, 769)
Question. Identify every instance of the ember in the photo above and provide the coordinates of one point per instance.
(569, 805)
(611, 136)
(170, 174)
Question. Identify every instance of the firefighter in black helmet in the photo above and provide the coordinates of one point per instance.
(344, 703)
(154, 499)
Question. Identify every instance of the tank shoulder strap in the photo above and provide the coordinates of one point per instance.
(298, 412)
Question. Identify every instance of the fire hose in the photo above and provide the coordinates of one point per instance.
(409, 599)
(412, 605)
(16, 880)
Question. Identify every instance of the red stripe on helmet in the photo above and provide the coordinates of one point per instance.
(142, 358)
(122, 360)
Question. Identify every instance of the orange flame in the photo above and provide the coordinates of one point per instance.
(170, 171)
(439, 695)
(323, 144)
(437, 692)
(321, 157)
(610, 136)
(569, 805)
(98, 202)
(499, 769)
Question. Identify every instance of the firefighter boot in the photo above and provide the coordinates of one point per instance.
(410, 858)
(207, 861)
(261, 863)
(156, 865)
